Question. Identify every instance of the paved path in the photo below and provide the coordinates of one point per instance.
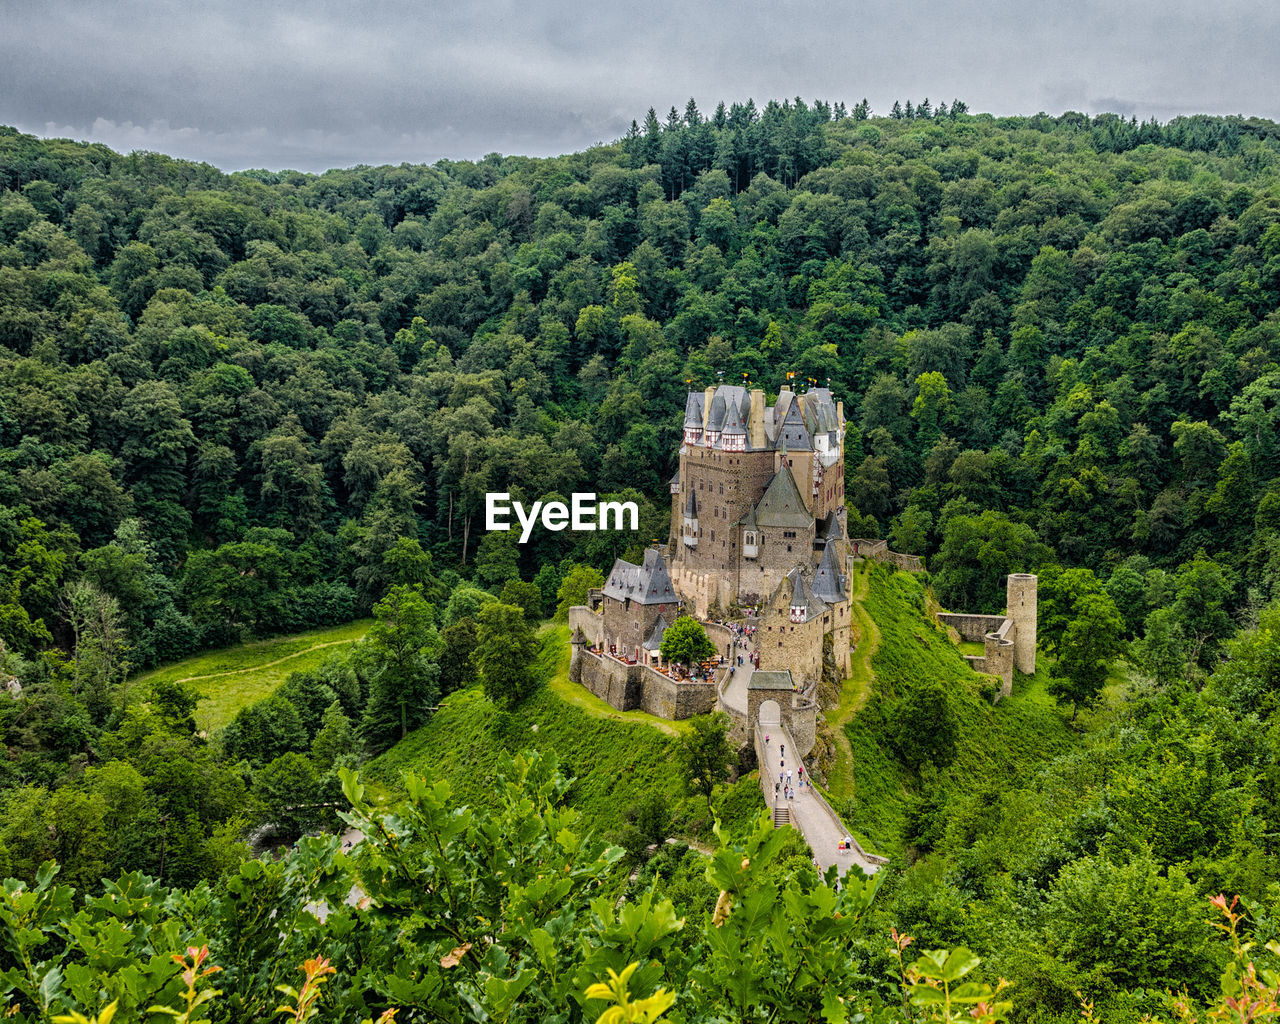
(819, 825)
(734, 694)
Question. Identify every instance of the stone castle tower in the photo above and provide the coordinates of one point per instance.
(759, 491)
(1020, 606)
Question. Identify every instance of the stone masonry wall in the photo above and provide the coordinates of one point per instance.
(878, 551)
(804, 725)
(721, 636)
(788, 645)
(638, 687)
(666, 698)
(617, 684)
(591, 624)
(972, 627)
(725, 485)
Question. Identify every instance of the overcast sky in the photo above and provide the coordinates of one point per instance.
(318, 85)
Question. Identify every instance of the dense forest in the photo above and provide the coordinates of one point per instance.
(233, 406)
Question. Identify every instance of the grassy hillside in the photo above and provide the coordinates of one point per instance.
(234, 677)
(617, 759)
(993, 744)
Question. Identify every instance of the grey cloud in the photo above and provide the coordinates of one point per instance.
(326, 84)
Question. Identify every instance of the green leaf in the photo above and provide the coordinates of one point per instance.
(50, 986)
(959, 963)
(351, 787)
(834, 1010)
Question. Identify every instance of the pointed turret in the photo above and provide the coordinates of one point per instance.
(782, 505)
(827, 581)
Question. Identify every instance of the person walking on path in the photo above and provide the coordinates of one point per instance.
(784, 750)
(788, 778)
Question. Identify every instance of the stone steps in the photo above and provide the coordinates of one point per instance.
(781, 816)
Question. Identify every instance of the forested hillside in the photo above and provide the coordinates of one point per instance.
(234, 406)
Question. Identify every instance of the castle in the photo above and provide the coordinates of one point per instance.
(758, 519)
(758, 535)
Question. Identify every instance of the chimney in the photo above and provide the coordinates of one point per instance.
(706, 407)
(840, 414)
(756, 436)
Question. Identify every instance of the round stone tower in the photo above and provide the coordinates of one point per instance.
(1020, 596)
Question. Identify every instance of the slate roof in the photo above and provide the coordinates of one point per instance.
(770, 680)
(820, 411)
(691, 507)
(793, 429)
(733, 422)
(655, 638)
(827, 583)
(644, 584)
(693, 409)
(782, 505)
(718, 410)
(802, 597)
(831, 528)
(785, 424)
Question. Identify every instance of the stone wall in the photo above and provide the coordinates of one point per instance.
(721, 636)
(794, 646)
(803, 724)
(628, 624)
(613, 682)
(702, 590)
(878, 551)
(640, 688)
(998, 661)
(666, 698)
(972, 627)
(592, 624)
(725, 485)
